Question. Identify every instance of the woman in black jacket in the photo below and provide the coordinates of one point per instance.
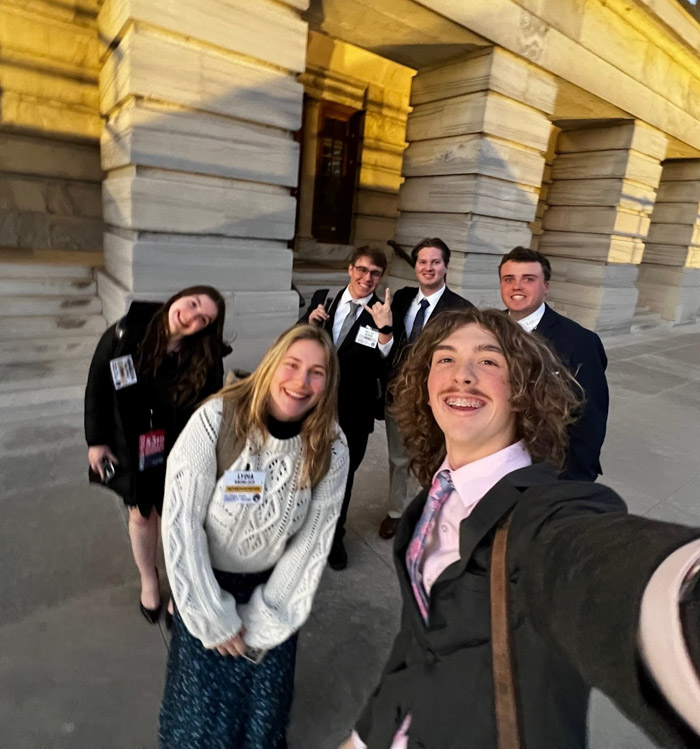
(597, 597)
(149, 372)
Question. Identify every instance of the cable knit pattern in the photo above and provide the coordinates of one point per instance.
(290, 530)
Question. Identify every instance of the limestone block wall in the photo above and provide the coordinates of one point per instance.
(343, 73)
(201, 103)
(542, 203)
(600, 203)
(669, 274)
(477, 137)
(49, 124)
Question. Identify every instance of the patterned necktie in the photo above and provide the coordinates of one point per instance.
(439, 492)
(418, 322)
(348, 322)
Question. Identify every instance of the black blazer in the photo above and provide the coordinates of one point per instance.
(578, 568)
(117, 417)
(361, 368)
(400, 304)
(583, 353)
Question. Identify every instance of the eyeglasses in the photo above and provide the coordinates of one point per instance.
(362, 271)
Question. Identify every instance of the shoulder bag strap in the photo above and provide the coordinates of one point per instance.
(506, 702)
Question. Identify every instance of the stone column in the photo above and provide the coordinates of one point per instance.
(669, 274)
(600, 203)
(477, 138)
(49, 129)
(201, 102)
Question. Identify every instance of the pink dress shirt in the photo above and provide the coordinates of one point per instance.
(471, 483)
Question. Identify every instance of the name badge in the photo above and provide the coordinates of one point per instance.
(123, 372)
(246, 487)
(368, 336)
(151, 449)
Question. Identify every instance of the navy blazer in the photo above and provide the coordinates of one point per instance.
(361, 367)
(583, 353)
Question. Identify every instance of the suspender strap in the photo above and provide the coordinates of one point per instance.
(507, 719)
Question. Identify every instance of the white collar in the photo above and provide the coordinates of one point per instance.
(348, 297)
(433, 299)
(530, 322)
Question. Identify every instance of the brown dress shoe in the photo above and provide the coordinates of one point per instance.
(387, 527)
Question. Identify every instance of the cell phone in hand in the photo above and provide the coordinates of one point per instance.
(108, 470)
(254, 655)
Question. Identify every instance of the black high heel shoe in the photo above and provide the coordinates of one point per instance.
(151, 615)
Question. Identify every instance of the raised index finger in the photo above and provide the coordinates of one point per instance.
(387, 296)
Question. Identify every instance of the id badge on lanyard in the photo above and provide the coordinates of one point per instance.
(151, 447)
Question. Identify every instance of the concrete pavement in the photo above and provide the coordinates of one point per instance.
(80, 668)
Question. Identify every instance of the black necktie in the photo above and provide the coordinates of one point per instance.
(418, 322)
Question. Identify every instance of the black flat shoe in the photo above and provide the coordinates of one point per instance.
(150, 615)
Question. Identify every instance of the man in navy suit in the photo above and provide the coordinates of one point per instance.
(410, 309)
(359, 324)
(524, 275)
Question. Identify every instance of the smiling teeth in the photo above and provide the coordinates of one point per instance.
(298, 396)
(465, 402)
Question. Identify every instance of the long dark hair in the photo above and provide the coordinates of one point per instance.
(197, 354)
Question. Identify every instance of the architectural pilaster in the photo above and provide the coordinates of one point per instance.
(669, 274)
(201, 103)
(604, 182)
(473, 167)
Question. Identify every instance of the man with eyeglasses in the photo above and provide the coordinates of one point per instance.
(359, 323)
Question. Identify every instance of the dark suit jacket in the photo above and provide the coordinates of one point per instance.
(578, 568)
(583, 353)
(400, 304)
(361, 368)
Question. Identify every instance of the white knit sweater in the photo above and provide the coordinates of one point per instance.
(291, 529)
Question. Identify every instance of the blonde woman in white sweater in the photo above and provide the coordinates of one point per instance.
(253, 490)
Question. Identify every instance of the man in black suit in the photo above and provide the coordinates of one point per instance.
(525, 275)
(410, 309)
(359, 324)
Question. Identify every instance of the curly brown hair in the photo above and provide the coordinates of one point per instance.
(544, 395)
(198, 354)
(252, 397)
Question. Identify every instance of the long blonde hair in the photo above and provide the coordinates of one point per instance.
(251, 397)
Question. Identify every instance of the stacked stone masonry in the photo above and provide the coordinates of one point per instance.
(49, 123)
(477, 137)
(604, 182)
(201, 103)
(669, 274)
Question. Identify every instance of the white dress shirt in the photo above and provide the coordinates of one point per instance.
(433, 299)
(341, 313)
(530, 322)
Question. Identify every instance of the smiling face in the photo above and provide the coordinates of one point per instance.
(523, 288)
(469, 395)
(430, 270)
(299, 381)
(364, 277)
(190, 314)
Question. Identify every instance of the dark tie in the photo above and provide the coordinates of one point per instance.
(418, 322)
(348, 322)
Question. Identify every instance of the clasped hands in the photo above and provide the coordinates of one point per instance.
(234, 646)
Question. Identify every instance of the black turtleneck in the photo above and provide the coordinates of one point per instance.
(283, 430)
